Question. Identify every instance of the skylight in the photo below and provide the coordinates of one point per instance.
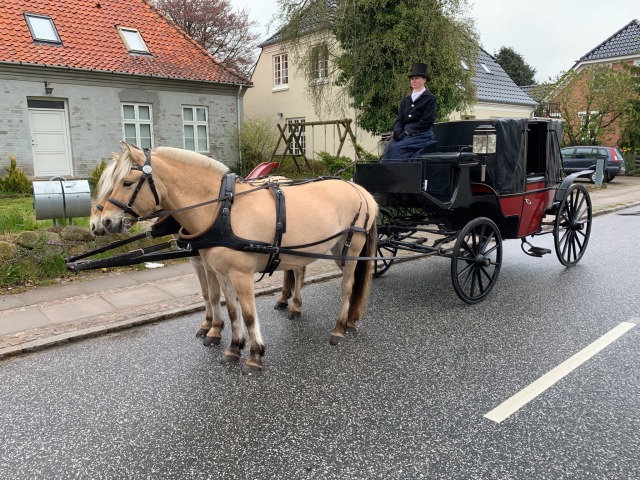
(464, 65)
(42, 28)
(132, 40)
(485, 68)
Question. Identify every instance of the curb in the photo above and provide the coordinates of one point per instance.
(95, 331)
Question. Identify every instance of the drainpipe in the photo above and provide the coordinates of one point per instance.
(239, 128)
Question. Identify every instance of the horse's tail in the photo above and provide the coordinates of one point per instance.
(363, 276)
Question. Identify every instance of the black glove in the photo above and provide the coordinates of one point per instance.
(396, 133)
(400, 136)
(409, 131)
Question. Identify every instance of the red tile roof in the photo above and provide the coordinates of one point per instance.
(87, 29)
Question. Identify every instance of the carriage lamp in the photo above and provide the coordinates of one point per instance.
(484, 143)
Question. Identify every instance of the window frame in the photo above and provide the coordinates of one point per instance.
(123, 31)
(280, 74)
(320, 56)
(195, 123)
(30, 16)
(137, 122)
(303, 137)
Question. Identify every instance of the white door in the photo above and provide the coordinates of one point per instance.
(50, 142)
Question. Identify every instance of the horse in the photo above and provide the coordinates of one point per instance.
(322, 215)
(210, 329)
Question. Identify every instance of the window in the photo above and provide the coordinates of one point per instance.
(299, 130)
(280, 70)
(464, 65)
(195, 126)
(132, 40)
(137, 124)
(320, 57)
(485, 68)
(42, 28)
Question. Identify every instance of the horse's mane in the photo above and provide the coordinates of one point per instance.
(121, 167)
(192, 158)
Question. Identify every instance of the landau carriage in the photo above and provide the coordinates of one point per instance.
(483, 182)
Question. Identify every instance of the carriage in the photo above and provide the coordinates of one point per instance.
(484, 181)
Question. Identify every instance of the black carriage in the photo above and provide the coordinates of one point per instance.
(484, 181)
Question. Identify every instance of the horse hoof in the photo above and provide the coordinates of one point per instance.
(229, 359)
(352, 329)
(201, 333)
(280, 306)
(251, 369)
(336, 340)
(208, 341)
(294, 315)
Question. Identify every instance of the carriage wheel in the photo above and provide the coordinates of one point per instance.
(573, 225)
(384, 248)
(476, 260)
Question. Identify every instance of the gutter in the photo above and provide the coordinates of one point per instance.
(239, 127)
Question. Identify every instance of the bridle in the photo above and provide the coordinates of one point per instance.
(146, 176)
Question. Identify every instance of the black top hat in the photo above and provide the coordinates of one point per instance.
(419, 70)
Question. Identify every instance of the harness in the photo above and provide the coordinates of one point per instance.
(220, 234)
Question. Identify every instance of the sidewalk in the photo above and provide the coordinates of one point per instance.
(49, 316)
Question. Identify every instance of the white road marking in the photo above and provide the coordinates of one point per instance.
(524, 396)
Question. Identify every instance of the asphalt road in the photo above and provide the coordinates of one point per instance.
(406, 397)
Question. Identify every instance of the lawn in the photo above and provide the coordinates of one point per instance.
(17, 215)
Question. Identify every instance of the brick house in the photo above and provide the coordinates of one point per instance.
(621, 47)
(78, 76)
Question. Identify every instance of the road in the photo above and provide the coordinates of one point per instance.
(409, 396)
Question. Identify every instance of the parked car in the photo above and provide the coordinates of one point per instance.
(575, 159)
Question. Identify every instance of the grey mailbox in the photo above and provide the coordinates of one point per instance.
(77, 198)
(48, 201)
(61, 198)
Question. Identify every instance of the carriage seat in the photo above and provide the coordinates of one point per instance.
(439, 171)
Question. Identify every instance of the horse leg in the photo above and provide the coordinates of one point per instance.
(339, 331)
(243, 283)
(363, 278)
(214, 335)
(296, 307)
(201, 273)
(288, 284)
(234, 351)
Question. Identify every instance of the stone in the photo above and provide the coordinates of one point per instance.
(7, 250)
(74, 233)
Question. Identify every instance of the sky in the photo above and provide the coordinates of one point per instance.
(551, 35)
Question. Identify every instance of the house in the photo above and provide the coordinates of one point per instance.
(621, 47)
(78, 76)
(279, 93)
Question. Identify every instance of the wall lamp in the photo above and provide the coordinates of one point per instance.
(47, 88)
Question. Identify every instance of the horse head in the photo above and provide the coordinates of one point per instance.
(129, 189)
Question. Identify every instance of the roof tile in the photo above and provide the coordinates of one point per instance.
(624, 42)
(90, 40)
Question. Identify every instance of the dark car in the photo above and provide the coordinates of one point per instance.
(576, 159)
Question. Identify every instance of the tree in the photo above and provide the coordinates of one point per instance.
(630, 137)
(513, 63)
(227, 34)
(592, 101)
(372, 44)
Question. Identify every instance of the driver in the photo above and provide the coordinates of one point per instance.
(412, 130)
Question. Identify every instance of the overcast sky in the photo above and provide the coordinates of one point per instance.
(550, 34)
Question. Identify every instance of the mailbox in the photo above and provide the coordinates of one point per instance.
(48, 201)
(61, 198)
(77, 198)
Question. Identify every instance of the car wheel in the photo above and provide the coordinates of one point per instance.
(611, 177)
(605, 177)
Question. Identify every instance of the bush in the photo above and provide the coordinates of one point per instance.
(15, 181)
(337, 166)
(96, 173)
(257, 141)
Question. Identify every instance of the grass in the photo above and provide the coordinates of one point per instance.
(17, 215)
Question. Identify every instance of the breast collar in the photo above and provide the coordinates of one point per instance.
(220, 234)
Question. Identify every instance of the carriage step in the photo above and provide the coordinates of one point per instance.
(538, 251)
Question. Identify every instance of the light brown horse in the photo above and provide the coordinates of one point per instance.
(210, 329)
(331, 215)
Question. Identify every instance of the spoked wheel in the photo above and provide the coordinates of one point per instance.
(573, 225)
(476, 260)
(384, 248)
